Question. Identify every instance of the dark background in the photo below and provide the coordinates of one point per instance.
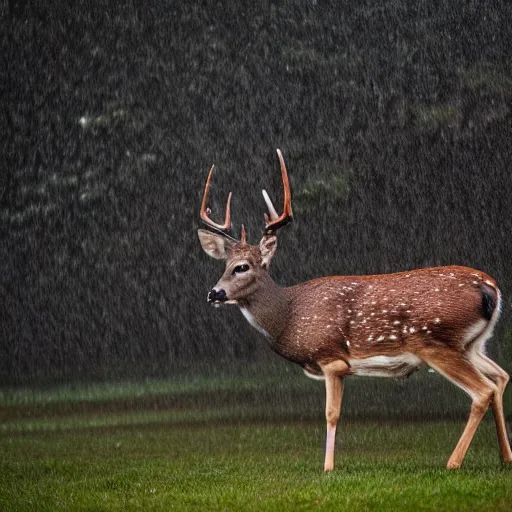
(394, 119)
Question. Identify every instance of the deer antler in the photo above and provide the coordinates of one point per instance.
(205, 211)
(243, 238)
(275, 221)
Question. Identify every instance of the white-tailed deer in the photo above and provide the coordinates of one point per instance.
(382, 325)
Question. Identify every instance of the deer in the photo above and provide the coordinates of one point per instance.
(384, 325)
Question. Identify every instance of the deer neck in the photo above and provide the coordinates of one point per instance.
(267, 309)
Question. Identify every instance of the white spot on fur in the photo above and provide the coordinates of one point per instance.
(313, 376)
(475, 331)
(253, 322)
(437, 321)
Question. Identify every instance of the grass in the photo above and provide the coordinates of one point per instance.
(250, 467)
(155, 445)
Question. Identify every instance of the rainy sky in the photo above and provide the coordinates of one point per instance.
(394, 119)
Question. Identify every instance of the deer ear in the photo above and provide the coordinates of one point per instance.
(268, 246)
(216, 246)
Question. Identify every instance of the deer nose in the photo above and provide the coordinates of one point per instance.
(217, 296)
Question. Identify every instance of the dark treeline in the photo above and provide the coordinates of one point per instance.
(394, 119)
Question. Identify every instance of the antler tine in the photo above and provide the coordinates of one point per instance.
(273, 213)
(205, 211)
(276, 221)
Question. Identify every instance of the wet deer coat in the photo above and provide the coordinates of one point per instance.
(381, 325)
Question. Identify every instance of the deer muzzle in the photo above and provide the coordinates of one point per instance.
(216, 297)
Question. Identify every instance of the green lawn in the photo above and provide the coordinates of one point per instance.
(162, 447)
(250, 467)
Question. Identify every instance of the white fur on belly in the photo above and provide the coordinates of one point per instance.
(385, 366)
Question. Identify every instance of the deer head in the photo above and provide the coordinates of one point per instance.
(246, 265)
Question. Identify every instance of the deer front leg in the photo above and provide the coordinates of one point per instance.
(333, 373)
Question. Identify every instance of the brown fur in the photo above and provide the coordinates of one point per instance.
(382, 324)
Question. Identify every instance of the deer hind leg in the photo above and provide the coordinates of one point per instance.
(500, 377)
(463, 373)
(333, 373)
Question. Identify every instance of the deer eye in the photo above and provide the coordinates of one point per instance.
(240, 268)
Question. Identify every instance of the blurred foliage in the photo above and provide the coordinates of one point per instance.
(394, 120)
(331, 188)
